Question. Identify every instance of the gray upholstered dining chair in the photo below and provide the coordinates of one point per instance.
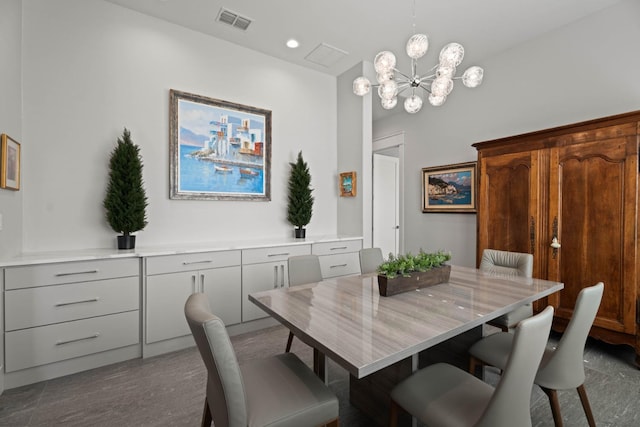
(302, 269)
(511, 263)
(561, 368)
(370, 259)
(276, 391)
(444, 395)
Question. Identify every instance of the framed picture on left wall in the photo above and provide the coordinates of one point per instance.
(220, 150)
(9, 163)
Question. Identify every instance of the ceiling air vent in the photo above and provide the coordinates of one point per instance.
(232, 18)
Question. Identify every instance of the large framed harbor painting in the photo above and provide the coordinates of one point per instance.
(219, 150)
(450, 188)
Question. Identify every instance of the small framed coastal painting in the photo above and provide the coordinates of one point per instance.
(450, 188)
(348, 184)
(9, 163)
(219, 150)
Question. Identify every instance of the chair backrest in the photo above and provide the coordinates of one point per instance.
(370, 259)
(304, 269)
(564, 368)
(225, 388)
(510, 402)
(503, 262)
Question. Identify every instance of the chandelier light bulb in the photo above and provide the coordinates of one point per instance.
(442, 86)
(437, 101)
(384, 61)
(446, 71)
(382, 77)
(413, 104)
(417, 46)
(452, 54)
(361, 86)
(388, 89)
(472, 77)
(388, 104)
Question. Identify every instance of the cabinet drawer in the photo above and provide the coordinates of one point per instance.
(69, 272)
(340, 265)
(27, 348)
(26, 308)
(338, 247)
(188, 262)
(276, 253)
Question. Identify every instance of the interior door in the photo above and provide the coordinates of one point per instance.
(386, 203)
(592, 204)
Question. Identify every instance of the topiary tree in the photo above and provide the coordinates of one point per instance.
(126, 200)
(300, 205)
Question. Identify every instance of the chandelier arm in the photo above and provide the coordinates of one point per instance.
(402, 74)
(424, 87)
(403, 89)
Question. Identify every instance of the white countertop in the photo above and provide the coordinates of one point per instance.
(29, 258)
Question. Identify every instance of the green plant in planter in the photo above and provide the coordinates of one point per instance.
(300, 206)
(126, 200)
(403, 265)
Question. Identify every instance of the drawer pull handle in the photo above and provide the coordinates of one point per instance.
(281, 254)
(338, 266)
(207, 261)
(90, 337)
(62, 304)
(338, 248)
(77, 272)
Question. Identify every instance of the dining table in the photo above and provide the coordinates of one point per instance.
(381, 340)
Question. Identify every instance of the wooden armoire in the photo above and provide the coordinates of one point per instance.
(578, 184)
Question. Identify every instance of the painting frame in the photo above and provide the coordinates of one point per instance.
(228, 166)
(348, 184)
(453, 188)
(9, 163)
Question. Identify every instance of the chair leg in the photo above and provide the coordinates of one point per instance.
(586, 406)
(333, 423)
(393, 414)
(473, 364)
(289, 341)
(206, 415)
(555, 405)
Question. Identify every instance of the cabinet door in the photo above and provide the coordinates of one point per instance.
(508, 204)
(224, 290)
(592, 205)
(166, 295)
(261, 277)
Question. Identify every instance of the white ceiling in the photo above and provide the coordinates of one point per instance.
(364, 27)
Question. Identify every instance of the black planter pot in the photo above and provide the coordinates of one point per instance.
(126, 242)
(300, 233)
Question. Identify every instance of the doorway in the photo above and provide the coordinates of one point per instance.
(387, 221)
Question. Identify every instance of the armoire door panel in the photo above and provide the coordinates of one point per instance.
(508, 186)
(588, 198)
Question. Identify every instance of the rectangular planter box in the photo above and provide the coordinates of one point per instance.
(416, 280)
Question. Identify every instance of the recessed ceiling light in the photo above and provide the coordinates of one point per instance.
(292, 43)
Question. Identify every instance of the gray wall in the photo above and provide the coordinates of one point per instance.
(11, 120)
(91, 68)
(354, 153)
(583, 71)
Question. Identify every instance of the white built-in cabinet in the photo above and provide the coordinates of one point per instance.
(264, 269)
(339, 258)
(75, 312)
(170, 279)
(62, 316)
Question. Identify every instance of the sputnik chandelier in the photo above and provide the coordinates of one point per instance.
(438, 81)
